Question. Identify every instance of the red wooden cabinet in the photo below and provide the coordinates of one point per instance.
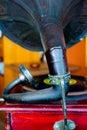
(43, 116)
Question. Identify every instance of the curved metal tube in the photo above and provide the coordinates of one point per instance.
(44, 95)
(12, 85)
(39, 96)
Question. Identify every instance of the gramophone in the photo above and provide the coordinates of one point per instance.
(50, 26)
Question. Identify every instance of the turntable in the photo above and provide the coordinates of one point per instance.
(51, 26)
